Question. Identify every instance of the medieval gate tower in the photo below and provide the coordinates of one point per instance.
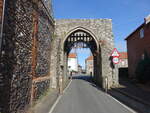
(101, 44)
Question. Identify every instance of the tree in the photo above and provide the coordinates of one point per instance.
(143, 69)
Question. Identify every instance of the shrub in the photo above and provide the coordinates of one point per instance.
(143, 69)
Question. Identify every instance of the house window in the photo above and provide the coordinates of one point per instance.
(143, 57)
(141, 33)
(123, 63)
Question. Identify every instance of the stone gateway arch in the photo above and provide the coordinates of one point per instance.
(101, 44)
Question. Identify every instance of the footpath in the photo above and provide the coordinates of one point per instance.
(44, 104)
(133, 95)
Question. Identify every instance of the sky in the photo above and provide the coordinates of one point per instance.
(126, 16)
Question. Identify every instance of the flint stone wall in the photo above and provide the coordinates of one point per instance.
(45, 33)
(16, 57)
(40, 88)
(43, 53)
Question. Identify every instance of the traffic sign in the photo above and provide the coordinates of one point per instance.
(115, 60)
(115, 53)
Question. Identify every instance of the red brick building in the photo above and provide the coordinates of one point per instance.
(138, 42)
(123, 60)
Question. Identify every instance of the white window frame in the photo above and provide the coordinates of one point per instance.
(141, 33)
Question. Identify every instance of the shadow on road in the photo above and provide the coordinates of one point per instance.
(83, 77)
(115, 92)
(88, 79)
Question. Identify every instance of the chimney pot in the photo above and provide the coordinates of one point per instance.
(147, 19)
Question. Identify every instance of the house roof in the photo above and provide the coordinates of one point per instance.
(123, 55)
(146, 21)
(72, 55)
(90, 58)
(134, 31)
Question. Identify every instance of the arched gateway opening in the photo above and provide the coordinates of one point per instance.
(82, 38)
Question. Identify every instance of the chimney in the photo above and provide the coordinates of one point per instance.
(147, 19)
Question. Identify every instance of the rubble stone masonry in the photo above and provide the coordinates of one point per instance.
(25, 55)
(102, 31)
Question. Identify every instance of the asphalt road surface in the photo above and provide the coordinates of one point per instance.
(83, 97)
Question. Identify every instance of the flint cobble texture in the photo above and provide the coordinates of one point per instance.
(16, 58)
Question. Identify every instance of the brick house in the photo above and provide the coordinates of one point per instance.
(123, 64)
(89, 65)
(138, 42)
(123, 60)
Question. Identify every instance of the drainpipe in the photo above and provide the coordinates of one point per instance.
(2, 23)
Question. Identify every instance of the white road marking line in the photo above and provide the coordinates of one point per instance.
(54, 105)
(67, 86)
(119, 102)
(60, 96)
(122, 104)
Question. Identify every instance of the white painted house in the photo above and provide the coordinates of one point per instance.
(73, 62)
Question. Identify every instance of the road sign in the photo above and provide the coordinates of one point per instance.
(115, 60)
(115, 53)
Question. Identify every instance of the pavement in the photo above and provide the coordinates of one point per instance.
(134, 90)
(43, 105)
(84, 97)
(132, 95)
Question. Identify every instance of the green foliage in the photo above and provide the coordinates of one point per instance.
(143, 69)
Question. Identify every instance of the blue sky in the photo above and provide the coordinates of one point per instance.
(126, 15)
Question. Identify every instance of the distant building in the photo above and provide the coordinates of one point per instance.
(123, 64)
(123, 60)
(89, 65)
(73, 62)
(138, 42)
(79, 69)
